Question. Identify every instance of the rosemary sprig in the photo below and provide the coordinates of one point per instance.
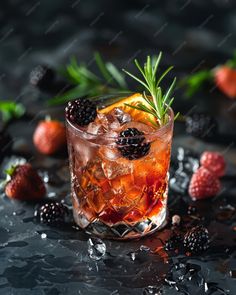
(87, 83)
(157, 103)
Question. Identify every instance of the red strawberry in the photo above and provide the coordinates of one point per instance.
(203, 184)
(49, 137)
(214, 162)
(225, 79)
(25, 183)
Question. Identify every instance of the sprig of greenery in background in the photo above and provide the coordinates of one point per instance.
(11, 110)
(87, 83)
(196, 81)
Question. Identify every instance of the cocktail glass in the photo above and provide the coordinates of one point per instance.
(114, 197)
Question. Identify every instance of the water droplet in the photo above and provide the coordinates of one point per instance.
(43, 236)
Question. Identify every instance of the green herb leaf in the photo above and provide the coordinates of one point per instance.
(11, 110)
(158, 104)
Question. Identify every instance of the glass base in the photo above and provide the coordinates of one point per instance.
(123, 230)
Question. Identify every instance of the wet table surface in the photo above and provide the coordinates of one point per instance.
(40, 259)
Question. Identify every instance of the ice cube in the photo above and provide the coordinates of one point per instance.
(108, 121)
(113, 169)
(121, 116)
(109, 153)
(96, 248)
(95, 128)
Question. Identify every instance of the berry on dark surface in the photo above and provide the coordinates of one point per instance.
(42, 77)
(173, 243)
(52, 213)
(81, 111)
(201, 125)
(196, 240)
(131, 144)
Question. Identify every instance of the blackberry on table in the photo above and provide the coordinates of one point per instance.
(42, 77)
(196, 240)
(131, 144)
(81, 111)
(53, 212)
(173, 243)
(201, 125)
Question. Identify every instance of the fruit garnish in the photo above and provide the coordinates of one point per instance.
(53, 212)
(157, 104)
(196, 240)
(131, 144)
(203, 184)
(125, 103)
(223, 76)
(81, 111)
(201, 125)
(49, 136)
(24, 183)
(214, 162)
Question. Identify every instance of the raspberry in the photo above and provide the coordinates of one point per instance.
(131, 144)
(42, 77)
(81, 111)
(196, 240)
(214, 162)
(203, 184)
(201, 125)
(52, 213)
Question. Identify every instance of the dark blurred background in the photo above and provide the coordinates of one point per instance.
(192, 34)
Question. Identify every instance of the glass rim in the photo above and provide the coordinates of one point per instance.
(159, 131)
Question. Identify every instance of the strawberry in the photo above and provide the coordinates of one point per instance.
(24, 183)
(214, 162)
(203, 184)
(49, 137)
(225, 79)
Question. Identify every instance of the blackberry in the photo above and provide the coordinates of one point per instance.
(42, 77)
(131, 144)
(196, 240)
(52, 213)
(81, 111)
(201, 125)
(173, 243)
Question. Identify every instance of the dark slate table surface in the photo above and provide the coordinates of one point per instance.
(39, 259)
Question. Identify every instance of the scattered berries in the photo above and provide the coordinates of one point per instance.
(173, 243)
(25, 183)
(203, 184)
(196, 240)
(201, 125)
(42, 77)
(131, 144)
(225, 79)
(49, 137)
(81, 111)
(214, 162)
(53, 212)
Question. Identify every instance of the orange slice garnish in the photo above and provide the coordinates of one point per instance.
(137, 115)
